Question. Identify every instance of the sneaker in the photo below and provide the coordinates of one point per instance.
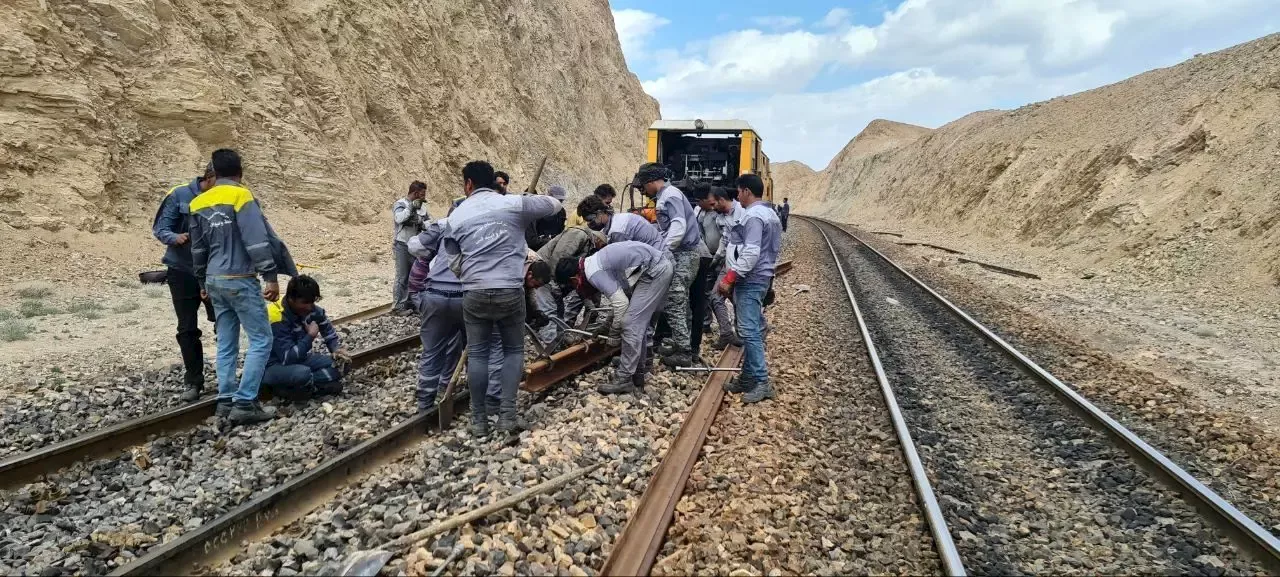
(737, 384)
(665, 349)
(249, 413)
(619, 385)
(759, 393)
(191, 394)
(680, 359)
(511, 424)
(402, 312)
(223, 409)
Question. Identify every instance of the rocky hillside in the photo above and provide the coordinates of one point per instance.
(1173, 172)
(335, 104)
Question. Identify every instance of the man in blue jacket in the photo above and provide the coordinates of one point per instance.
(172, 228)
(293, 371)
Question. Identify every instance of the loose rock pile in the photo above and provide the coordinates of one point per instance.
(812, 482)
(565, 532)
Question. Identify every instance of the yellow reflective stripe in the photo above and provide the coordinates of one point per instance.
(275, 311)
(173, 189)
(236, 196)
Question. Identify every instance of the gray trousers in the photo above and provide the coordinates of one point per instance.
(719, 306)
(637, 327)
(404, 263)
(442, 341)
(544, 299)
(677, 305)
(490, 313)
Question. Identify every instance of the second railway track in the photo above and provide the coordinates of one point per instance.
(1029, 477)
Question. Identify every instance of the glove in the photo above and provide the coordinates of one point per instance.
(612, 341)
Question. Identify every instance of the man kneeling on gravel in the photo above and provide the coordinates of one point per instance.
(606, 271)
(293, 371)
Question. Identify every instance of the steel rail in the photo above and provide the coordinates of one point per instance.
(945, 546)
(363, 315)
(638, 546)
(1244, 532)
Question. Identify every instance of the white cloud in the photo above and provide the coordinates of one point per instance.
(836, 18)
(634, 29)
(778, 22)
(944, 58)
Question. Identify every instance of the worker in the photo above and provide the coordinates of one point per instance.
(626, 226)
(500, 182)
(712, 235)
(575, 242)
(484, 238)
(232, 244)
(170, 227)
(784, 212)
(700, 299)
(410, 214)
(605, 193)
(293, 371)
(605, 272)
(754, 242)
(437, 296)
(546, 228)
(680, 234)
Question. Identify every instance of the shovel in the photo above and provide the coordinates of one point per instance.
(444, 409)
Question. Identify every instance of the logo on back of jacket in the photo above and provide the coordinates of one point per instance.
(216, 219)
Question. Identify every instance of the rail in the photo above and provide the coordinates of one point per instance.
(1245, 533)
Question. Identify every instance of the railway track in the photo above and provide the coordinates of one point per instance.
(22, 468)
(1015, 470)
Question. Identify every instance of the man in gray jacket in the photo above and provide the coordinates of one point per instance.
(409, 214)
(484, 238)
(680, 234)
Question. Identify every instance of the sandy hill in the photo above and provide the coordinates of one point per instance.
(791, 179)
(1172, 172)
(335, 104)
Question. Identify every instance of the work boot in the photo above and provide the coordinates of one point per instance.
(479, 426)
(737, 384)
(248, 413)
(678, 359)
(510, 423)
(665, 349)
(760, 392)
(727, 341)
(222, 409)
(639, 379)
(619, 385)
(332, 388)
(192, 393)
(426, 401)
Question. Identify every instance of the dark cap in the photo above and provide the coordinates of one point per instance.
(650, 172)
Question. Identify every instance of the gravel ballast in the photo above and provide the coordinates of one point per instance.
(1026, 486)
(98, 515)
(63, 402)
(813, 481)
(565, 532)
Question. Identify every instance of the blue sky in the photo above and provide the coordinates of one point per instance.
(810, 74)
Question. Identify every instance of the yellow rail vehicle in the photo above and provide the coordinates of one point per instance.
(714, 151)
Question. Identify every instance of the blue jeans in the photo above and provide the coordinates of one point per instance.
(299, 381)
(483, 311)
(238, 302)
(748, 303)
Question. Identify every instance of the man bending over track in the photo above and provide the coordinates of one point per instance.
(293, 371)
(606, 272)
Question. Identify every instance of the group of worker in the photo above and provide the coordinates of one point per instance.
(497, 268)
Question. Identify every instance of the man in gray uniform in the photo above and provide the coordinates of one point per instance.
(680, 233)
(606, 272)
(484, 239)
(628, 226)
(410, 215)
